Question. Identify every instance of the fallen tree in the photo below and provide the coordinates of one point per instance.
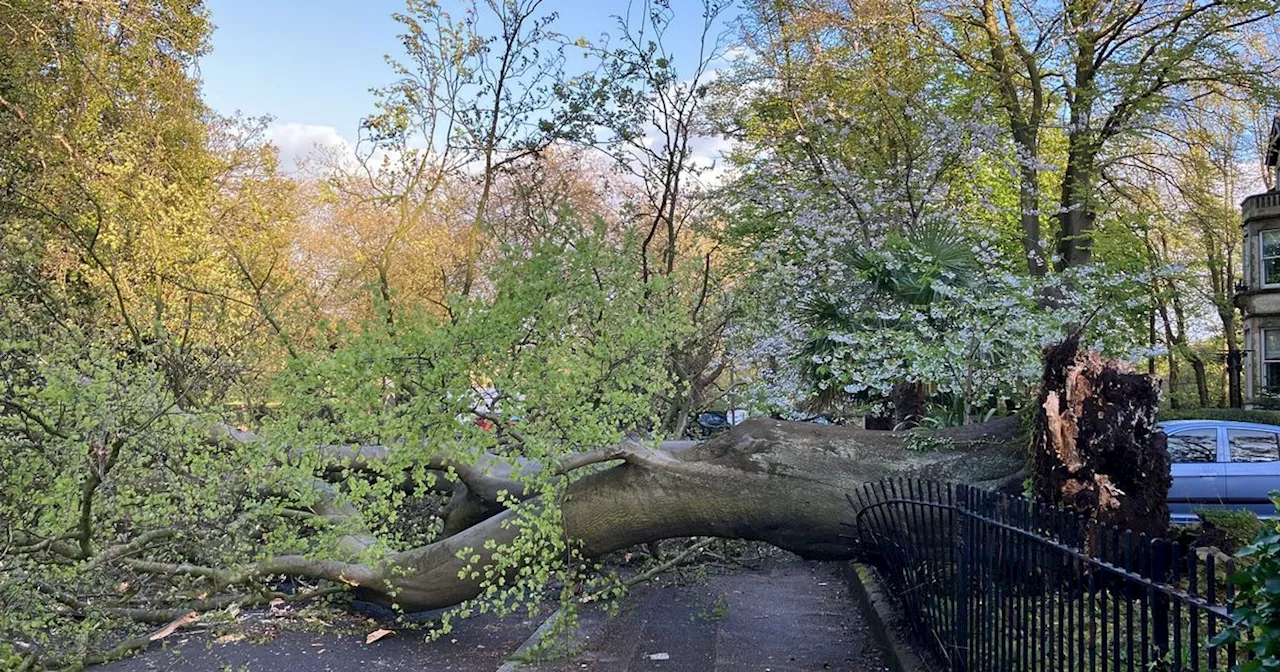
(1096, 449)
(504, 519)
(778, 482)
(783, 483)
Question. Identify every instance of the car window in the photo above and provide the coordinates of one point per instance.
(1194, 445)
(1252, 446)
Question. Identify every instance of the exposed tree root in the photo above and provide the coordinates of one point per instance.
(1097, 448)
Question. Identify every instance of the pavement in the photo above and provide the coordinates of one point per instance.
(787, 616)
(480, 644)
(792, 617)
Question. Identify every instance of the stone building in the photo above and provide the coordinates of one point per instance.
(1258, 295)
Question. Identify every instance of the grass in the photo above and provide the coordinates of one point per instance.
(1059, 631)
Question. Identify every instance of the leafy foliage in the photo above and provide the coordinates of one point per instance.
(937, 309)
(1229, 414)
(923, 441)
(1236, 527)
(1257, 607)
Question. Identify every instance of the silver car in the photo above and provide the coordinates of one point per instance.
(1222, 464)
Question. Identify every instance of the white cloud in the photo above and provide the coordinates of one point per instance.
(709, 152)
(296, 140)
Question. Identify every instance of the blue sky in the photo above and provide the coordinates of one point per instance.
(306, 61)
(310, 63)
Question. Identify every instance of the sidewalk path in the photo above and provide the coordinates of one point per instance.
(788, 617)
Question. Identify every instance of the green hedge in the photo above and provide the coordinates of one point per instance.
(1228, 529)
(1234, 414)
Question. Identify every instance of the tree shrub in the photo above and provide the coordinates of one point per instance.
(1226, 414)
(1255, 621)
(1228, 529)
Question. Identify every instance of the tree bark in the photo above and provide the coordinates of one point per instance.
(1202, 377)
(1197, 362)
(1077, 214)
(909, 403)
(1235, 387)
(1174, 380)
(1029, 203)
(782, 483)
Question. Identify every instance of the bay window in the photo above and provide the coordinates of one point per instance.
(1271, 361)
(1269, 257)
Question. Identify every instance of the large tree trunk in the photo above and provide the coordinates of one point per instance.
(1197, 363)
(1077, 215)
(779, 482)
(782, 483)
(1029, 207)
(1202, 378)
(1235, 389)
(909, 403)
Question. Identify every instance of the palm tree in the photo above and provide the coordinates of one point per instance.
(911, 271)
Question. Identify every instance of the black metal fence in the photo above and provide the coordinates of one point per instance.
(994, 582)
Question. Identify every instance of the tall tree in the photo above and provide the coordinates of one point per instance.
(650, 108)
(1099, 73)
(1182, 189)
(1212, 184)
(842, 105)
(107, 178)
(473, 95)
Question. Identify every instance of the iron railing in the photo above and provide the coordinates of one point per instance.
(993, 582)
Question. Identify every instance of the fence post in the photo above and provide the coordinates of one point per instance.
(1160, 565)
(964, 560)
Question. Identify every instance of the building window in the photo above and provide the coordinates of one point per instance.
(1271, 361)
(1270, 256)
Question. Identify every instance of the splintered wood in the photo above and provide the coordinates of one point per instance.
(1097, 448)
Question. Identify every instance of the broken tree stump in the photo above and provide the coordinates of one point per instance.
(1096, 447)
